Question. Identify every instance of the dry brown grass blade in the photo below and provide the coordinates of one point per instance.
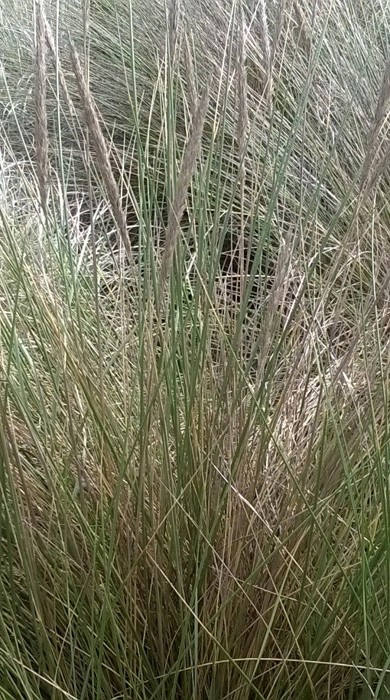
(176, 207)
(102, 152)
(41, 133)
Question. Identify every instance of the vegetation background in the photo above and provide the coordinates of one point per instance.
(194, 350)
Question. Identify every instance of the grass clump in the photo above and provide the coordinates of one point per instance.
(194, 297)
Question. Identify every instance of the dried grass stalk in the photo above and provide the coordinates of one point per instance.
(242, 128)
(303, 27)
(173, 22)
(176, 207)
(279, 22)
(242, 90)
(102, 151)
(265, 43)
(376, 174)
(52, 46)
(86, 17)
(41, 133)
(190, 74)
(381, 111)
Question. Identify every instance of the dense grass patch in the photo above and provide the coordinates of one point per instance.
(194, 295)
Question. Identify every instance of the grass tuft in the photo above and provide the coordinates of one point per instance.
(194, 502)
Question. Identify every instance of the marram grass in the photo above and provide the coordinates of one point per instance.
(194, 294)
